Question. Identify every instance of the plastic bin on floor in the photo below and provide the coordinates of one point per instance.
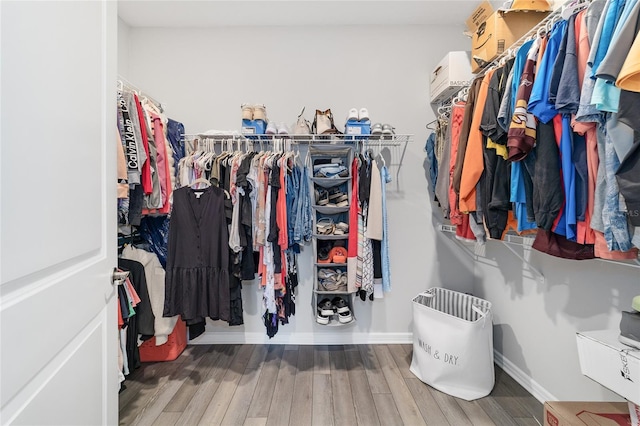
(176, 343)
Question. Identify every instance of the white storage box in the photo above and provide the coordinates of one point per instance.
(607, 361)
(452, 73)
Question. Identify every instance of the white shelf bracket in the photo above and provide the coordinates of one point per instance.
(508, 241)
(451, 229)
(524, 243)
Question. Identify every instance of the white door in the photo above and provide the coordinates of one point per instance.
(58, 354)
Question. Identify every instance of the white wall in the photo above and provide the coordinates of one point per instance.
(536, 318)
(124, 31)
(204, 75)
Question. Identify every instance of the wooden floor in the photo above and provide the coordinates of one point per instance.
(308, 385)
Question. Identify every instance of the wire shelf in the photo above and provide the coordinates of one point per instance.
(386, 140)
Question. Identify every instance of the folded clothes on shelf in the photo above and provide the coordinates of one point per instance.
(330, 170)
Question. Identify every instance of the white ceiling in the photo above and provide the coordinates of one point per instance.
(215, 13)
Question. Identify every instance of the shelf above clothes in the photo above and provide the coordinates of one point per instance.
(526, 241)
(232, 140)
(510, 240)
(394, 140)
(543, 26)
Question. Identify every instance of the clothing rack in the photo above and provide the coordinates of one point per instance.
(284, 142)
(124, 84)
(387, 140)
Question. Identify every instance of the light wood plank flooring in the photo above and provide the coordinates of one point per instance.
(308, 385)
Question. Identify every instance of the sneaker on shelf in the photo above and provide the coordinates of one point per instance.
(344, 227)
(322, 198)
(345, 317)
(283, 129)
(324, 254)
(337, 196)
(247, 111)
(376, 129)
(271, 129)
(325, 307)
(363, 114)
(260, 112)
(353, 115)
(322, 319)
(340, 305)
(387, 129)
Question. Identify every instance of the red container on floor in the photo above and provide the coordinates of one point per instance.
(171, 350)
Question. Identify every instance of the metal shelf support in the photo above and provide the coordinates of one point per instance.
(509, 241)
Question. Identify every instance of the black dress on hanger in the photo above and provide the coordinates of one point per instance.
(197, 273)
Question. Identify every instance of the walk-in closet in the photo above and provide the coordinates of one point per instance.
(257, 212)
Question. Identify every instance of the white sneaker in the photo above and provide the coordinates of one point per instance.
(247, 111)
(363, 115)
(271, 129)
(260, 112)
(283, 129)
(353, 114)
(345, 317)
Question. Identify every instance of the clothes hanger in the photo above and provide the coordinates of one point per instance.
(572, 8)
(199, 181)
(152, 105)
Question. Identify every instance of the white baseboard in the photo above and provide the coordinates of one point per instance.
(213, 338)
(533, 387)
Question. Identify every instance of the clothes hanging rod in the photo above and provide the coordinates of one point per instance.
(385, 140)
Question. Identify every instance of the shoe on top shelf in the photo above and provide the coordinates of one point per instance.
(271, 129)
(283, 129)
(376, 129)
(259, 112)
(388, 129)
(358, 115)
(247, 111)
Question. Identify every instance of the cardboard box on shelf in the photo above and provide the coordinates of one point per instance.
(576, 413)
(607, 361)
(493, 32)
(451, 74)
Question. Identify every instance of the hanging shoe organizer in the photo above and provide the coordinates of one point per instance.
(330, 170)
